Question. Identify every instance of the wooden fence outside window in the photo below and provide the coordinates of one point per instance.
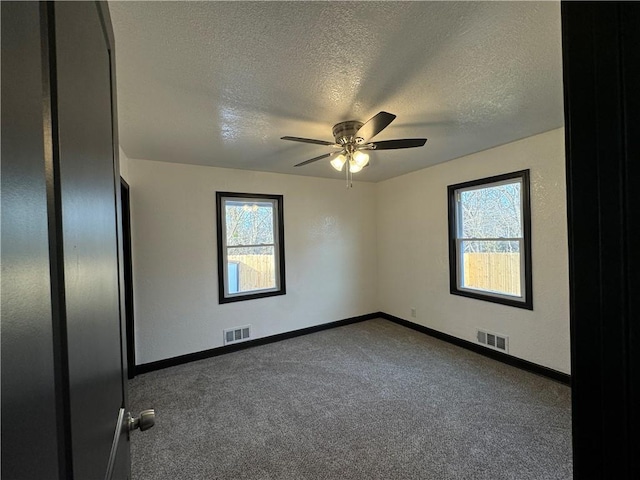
(497, 272)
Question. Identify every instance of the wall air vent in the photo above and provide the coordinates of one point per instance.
(236, 334)
(492, 340)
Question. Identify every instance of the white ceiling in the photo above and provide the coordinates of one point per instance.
(218, 83)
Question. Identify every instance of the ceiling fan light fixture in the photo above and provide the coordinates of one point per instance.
(354, 167)
(338, 162)
(353, 136)
(361, 159)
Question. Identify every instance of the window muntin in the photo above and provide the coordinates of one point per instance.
(490, 256)
(250, 246)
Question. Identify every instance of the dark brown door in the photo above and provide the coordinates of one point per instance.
(89, 241)
(64, 391)
(29, 413)
(601, 58)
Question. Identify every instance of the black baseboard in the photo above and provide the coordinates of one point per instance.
(214, 352)
(501, 357)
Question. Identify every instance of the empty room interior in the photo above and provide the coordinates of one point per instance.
(206, 91)
(306, 240)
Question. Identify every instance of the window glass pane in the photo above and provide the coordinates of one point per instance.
(251, 268)
(491, 266)
(249, 223)
(492, 212)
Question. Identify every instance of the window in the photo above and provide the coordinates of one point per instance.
(490, 241)
(250, 246)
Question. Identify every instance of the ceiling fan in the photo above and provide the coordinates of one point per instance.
(353, 139)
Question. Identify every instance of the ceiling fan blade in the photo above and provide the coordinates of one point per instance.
(308, 140)
(375, 125)
(315, 159)
(403, 143)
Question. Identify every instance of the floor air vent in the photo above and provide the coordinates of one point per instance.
(237, 334)
(494, 340)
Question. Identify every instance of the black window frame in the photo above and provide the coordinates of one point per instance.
(278, 240)
(454, 269)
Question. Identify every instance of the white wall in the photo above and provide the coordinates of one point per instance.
(376, 247)
(124, 165)
(413, 252)
(330, 251)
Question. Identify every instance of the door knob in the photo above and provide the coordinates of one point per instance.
(145, 421)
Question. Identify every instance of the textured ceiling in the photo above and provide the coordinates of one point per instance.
(218, 83)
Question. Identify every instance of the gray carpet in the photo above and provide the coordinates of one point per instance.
(373, 400)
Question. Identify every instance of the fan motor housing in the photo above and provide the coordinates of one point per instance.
(344, 132)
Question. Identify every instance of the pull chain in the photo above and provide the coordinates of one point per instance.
(349, 176)
(346, 168)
